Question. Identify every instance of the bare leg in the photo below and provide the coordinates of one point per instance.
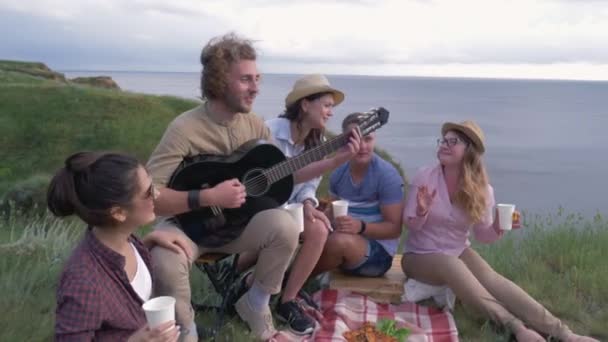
(341, 249)
(315, 236)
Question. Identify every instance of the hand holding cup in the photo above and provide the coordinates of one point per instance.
(508, 218)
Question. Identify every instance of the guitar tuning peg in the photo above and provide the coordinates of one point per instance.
(368, 112)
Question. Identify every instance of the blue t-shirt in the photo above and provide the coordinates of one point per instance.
(382, 185)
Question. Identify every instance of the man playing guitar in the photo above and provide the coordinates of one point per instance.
(218, 126)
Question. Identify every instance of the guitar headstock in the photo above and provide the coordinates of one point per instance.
(374, 119)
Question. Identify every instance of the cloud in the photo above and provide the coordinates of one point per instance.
(338, 34)
(425, 32)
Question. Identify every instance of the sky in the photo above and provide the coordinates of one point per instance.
(561, 39)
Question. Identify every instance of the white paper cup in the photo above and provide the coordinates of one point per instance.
(159, 310)
(340, 208)
(296, 210)
(505, 216)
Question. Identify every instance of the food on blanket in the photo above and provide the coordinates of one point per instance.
(389, 327)
(367, 333)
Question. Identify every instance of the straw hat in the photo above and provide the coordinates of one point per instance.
(312, 84)
(468, 128)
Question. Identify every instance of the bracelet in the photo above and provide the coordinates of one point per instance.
(193, 199)
(363, 227)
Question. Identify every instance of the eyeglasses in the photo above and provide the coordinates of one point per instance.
(151, 192)
(449, 141)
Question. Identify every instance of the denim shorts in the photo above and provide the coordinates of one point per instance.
(375, 263)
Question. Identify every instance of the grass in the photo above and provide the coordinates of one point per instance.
(38, 70)
(32, 253)
(43, 121)
(558, 261)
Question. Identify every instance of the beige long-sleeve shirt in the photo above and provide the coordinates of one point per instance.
(196, 132)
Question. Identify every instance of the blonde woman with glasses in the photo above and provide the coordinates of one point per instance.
(445, 203)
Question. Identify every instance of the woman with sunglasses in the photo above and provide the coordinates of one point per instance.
(108, 276)
(445, 203)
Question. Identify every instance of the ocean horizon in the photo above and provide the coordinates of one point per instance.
(546, 146)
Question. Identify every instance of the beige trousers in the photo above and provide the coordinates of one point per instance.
(271, 233)
(478, 286)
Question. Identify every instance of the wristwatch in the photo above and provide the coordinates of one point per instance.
(363, 227)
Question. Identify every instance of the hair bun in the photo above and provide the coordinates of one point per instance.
(60, 194)
(81, 161)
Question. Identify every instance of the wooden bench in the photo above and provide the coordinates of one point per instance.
(385, 289)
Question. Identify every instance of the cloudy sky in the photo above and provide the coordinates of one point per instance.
(523, 39)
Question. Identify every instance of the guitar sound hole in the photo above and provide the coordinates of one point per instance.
(255, 182)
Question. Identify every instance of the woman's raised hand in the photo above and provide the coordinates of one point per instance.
(424, 200)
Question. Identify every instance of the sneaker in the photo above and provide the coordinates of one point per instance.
(292, 313)
(260, 323)
(301, 294)
(305, 296)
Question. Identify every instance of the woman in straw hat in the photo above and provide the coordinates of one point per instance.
(308, 107)
(444, 204)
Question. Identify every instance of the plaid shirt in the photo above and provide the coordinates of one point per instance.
(95, 300)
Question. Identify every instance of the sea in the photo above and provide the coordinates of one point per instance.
(546, 141)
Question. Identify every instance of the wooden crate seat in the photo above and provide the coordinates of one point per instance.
(385, 289)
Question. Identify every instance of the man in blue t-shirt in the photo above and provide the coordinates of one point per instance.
(364, 241)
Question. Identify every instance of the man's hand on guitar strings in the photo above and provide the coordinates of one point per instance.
(228, 194)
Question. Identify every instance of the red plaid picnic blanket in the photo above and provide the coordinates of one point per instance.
(342, 311)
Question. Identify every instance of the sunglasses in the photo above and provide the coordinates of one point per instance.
(151, 192)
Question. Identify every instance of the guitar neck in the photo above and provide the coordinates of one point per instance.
(291, 165)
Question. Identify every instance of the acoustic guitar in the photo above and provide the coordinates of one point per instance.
(264, 171)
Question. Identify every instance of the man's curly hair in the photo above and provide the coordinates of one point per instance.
(217, 57)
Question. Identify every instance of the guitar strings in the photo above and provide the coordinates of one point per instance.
(260, 180)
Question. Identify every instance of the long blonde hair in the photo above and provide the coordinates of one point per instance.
(473, 192)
